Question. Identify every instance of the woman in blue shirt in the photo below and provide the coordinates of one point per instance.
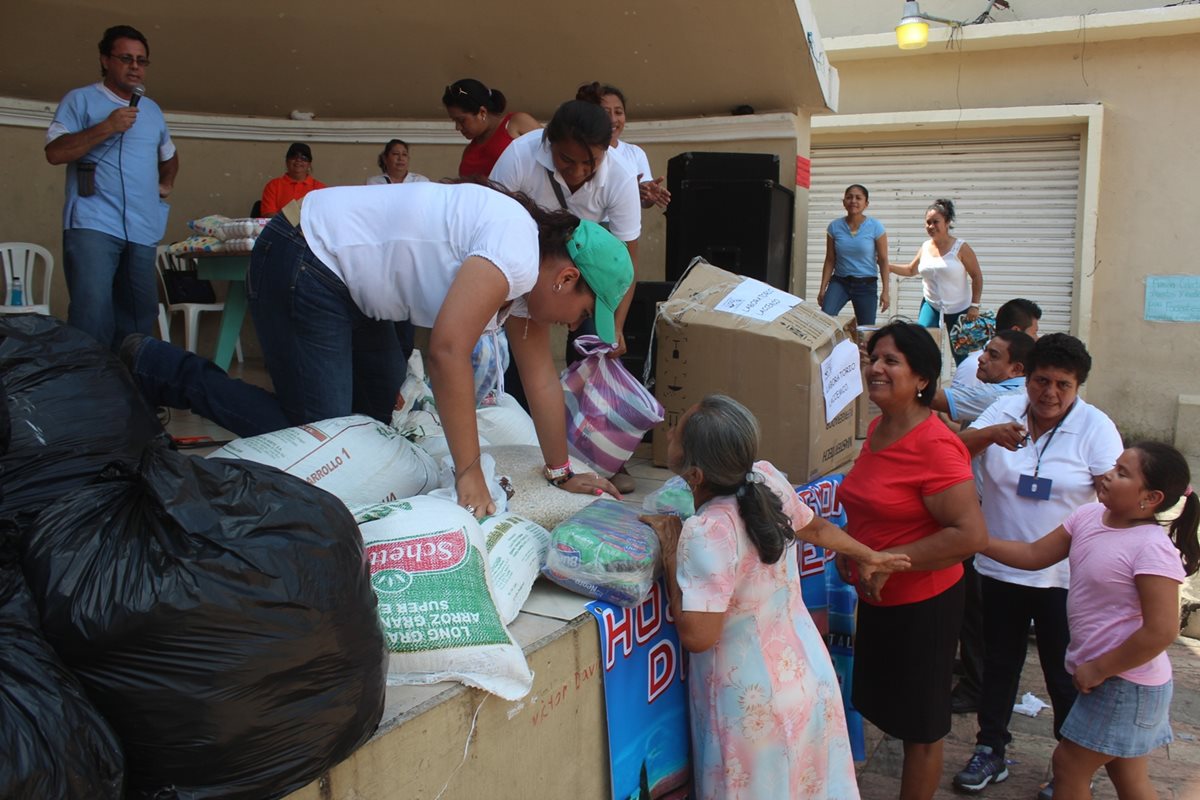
(855, 260)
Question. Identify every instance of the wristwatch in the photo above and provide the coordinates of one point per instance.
(558, 475)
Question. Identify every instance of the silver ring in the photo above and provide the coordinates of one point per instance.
(470, 508)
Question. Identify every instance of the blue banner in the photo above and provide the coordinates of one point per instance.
(645, 698)
(830, 601)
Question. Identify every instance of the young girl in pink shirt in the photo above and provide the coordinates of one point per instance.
(1123, 611)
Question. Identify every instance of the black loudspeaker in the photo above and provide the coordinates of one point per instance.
(743, 226)
(639, 324)
(721, 167)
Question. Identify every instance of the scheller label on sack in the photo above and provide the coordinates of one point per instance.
(436, 552)
(433, 592)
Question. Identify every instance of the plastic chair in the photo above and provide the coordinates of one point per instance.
(168, 263)
(20, 263)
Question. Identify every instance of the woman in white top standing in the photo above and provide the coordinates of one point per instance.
(393, 165)
(951, 279)
(612, 100)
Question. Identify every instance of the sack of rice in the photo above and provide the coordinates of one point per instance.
(533, 498)
(517, 551)
(429, 569)
(604, 552)
(359, 460)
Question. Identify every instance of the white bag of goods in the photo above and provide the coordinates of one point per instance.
(358, 459)
(533, 496)
(447, 489)
(605, 552)
(516, 551)
(429, 570)
(506, 423)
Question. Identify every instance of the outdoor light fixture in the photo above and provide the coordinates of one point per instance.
(913, 31)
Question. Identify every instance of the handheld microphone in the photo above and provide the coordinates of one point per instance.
(136, 97)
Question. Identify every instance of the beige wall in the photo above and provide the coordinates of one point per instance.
(1148, 168)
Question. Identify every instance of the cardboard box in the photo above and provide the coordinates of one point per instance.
(865, 410)
(772, 367)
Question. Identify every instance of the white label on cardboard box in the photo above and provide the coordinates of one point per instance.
(841, 378)
(757, 300)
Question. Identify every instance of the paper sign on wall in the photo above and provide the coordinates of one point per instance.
(757, 300)
(841, 378)
(1173, 298)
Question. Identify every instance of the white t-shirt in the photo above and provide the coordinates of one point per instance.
(1085, 445)
(381, 178)
(965, 374)
(633, 158)
(944, 279)
(611, 193)
(398, 248)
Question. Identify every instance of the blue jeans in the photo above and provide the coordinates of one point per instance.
(325, 357)
(863, 294)
(170, 376)
(929, 318)
(112, 285)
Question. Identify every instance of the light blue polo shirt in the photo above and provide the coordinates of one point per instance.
(126, 202)
(966, 404)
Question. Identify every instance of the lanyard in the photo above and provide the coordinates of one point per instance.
(1039, 453)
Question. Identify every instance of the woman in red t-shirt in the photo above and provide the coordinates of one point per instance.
(478, 114)
(910, 491)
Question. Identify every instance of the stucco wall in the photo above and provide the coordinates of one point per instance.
(1148, 166)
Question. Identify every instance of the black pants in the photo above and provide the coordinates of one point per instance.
(1007, 611)
(970, 639)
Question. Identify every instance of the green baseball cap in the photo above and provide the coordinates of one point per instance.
(603, 261)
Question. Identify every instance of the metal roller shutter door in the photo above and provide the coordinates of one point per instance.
(1016, 201)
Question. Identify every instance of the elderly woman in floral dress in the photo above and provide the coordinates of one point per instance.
(766, 710)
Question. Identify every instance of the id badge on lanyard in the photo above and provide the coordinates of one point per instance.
(1033, 486)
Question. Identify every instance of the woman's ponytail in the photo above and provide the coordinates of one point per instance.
(720, 438)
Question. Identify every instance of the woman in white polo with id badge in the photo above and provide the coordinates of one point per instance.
(1040, 454)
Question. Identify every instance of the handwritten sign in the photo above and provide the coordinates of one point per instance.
(757, 300)
(841, 378)
(1173, 298)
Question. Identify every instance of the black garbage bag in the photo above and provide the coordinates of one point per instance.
(220, 615)
(5, 424)
(54, 742)
(73, 409)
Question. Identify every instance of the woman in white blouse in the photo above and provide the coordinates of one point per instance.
(951, 280)
(393, 165)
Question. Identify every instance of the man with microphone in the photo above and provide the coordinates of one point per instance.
(121, 166)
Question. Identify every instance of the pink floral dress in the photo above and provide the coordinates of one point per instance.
(766, 710)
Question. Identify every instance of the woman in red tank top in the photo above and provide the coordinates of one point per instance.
(478, 114)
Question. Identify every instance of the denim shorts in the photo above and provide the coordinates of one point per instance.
(1121, 719)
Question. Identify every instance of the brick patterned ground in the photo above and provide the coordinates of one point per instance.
(1175, 770)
